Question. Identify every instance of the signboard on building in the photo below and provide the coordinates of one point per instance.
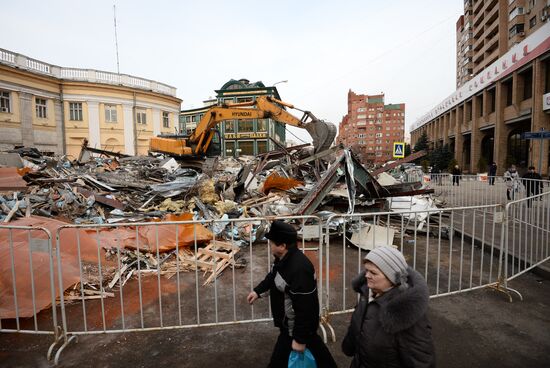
(398, 149)
(247, 135)
(520, 54)
(546, 102)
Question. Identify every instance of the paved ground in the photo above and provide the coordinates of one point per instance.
(476, 329)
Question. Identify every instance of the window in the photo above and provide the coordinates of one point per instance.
(361, 116)
(262, 127)
(245, 127)
(5, 105)
(246, 148)
(165, 119)
(533, 22)
(75, 111)
(40, 105)
(262, 146)
(110, 114)
(361, 109)
(230, 148)
(527, 77)
(141, 116)
(515, 12)
(244, 99)
(516, 29)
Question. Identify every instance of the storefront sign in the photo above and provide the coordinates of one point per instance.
(248, 135)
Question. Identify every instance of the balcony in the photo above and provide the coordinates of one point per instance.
(85, 75)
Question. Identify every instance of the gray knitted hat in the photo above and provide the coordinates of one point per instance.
(391, 262)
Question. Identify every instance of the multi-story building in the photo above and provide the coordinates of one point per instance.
(507, 94)
(489, 28)
(54, 108)
(371, 127)
(240, 137)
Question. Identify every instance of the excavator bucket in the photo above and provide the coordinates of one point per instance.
(322, 133)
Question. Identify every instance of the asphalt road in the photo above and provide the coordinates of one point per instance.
(475, 329)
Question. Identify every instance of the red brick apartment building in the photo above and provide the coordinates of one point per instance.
(371, 127)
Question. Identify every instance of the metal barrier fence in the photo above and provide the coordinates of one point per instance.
(526, 235)
(152, 302)
(27, 281)
(455, 249)
(481, 190)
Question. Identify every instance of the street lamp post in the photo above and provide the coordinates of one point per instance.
(283, 81)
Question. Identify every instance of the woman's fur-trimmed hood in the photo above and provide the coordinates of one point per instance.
(401, 309)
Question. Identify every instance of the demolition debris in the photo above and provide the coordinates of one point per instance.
(142, 215)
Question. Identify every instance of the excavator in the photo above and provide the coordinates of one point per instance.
(202, 141)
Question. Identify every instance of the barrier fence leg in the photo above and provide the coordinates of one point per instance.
(501, 284)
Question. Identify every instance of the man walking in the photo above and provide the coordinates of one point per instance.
(456, 175)
(492, 173)
(294, 301)
(531, 180)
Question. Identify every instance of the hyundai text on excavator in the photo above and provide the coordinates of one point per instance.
(201, 143)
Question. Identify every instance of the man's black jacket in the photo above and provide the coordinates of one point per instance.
(293, 290)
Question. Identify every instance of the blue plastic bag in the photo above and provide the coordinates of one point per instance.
(301, 360)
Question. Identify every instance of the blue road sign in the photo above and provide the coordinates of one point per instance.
(537, 135)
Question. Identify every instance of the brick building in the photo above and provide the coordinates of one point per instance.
(371, 127)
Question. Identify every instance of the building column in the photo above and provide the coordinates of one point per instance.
(475, 137)
(500, 149)
(540, 120)
(459, 139)
(446, 124)
(26, 111)
(93, 124)
(59, 127)
(129, 134)
(156, 122)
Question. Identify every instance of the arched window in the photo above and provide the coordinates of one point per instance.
(518, 148)
(487, 146)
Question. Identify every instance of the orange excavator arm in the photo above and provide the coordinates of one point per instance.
(263, 107)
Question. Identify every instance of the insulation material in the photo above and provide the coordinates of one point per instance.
(386, 179)
(274, 181)
(10, 179)
(372, 236)
(207, 192)
(145, 237)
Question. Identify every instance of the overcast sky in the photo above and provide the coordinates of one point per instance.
(403, 48)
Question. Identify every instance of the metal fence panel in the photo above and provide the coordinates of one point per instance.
(455, 249)
(27, 282)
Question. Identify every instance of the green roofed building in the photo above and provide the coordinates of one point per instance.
(240, 137)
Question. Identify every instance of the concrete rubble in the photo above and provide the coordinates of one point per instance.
(103, 187)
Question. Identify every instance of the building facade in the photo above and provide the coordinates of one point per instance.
(240, 137)
(54, 108)
(489, 28)
(371, 127)
(485, 119)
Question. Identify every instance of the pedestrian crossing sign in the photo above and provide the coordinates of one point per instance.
(398, 149)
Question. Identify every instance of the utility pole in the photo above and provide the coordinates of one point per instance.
(116, 41)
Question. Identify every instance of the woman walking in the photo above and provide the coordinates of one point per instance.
(389, 327)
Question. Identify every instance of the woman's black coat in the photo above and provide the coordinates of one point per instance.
(393, 329)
